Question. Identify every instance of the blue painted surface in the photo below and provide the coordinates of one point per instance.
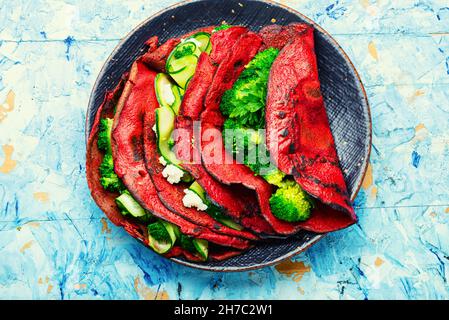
(55, 243)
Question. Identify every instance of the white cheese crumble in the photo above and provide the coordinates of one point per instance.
(172, 173)
(162, 161)
(154, 129)
(191, 199)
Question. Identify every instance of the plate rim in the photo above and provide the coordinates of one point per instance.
(365, 163)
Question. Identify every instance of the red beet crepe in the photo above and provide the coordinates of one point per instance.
(128, 154)
(105, 199)
(299, 136)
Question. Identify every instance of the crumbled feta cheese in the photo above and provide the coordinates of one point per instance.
(172, 173)
(154, 129)
(191, 199)
(162, 161)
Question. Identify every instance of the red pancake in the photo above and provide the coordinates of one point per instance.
(105, 199)
(222, 42)
(299, 137)
(276, 36)
(128, 154)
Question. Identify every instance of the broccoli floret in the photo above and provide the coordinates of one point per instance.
(275, 178)
(244, 103)
(263, 60)
(244, 106)
(186, 243)
(158, 231)
(224, 26)
(104, 135)
(290, 203)
(109, 179)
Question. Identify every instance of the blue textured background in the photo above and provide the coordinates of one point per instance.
(55, 243)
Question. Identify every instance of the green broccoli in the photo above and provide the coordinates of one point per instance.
(108, 178)
(244, 106)
(290, 203)
(275, 178)
(104, 135)
(186, 243)
(244, 103)
(158, 231)
(224, 26)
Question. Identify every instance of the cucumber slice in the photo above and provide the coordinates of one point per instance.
(128, 204)
(213, 210)
(182, 69)
(171, 229)
(182, 61)
(160, 239)
(168, 94)
(186, 48)
(195, 187)
(165, 123)
(163, 86)
(202, 246)
(178, 99)
(203, 41)
(230, 223)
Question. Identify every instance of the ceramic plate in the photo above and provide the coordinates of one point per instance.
(343, 92)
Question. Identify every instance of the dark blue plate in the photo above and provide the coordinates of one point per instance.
(345, 97)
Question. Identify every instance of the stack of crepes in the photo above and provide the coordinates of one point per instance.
(158, 130)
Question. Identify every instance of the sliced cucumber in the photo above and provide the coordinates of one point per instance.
(161, 236)
(168, 94)
(177, 93)
(172, 230)
(202, 247)
(127, 204)
(214, 210)
(164, 90)
(165, 123)
(230, 223)
(186, 48)
(203, 41)
(160, 247)
(182, 61)
(182, 69)
(195, 187)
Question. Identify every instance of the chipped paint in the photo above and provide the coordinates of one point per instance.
(104, 226)
(148, 293)
(378, 262)
(368, 180)
(26, 246)
(372, 49)
(294, 269)
(41, 196)
(8, 163)
(8, 105)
